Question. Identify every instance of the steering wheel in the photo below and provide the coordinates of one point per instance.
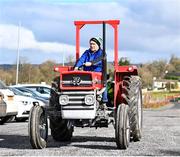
(81, 68)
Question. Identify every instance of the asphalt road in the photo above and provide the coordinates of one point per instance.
(161, 136)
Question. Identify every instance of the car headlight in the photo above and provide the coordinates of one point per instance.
(89, 99)
(63, 99)
(25, 102)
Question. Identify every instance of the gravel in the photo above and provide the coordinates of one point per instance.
(161, 136)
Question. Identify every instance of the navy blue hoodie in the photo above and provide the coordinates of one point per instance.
(89, 56)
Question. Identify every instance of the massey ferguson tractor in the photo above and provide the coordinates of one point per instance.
(76, 99)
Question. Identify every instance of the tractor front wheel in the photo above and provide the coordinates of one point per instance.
(38, 127)
(122, 130)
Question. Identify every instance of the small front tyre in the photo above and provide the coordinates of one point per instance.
(122, 130)
(38, 127)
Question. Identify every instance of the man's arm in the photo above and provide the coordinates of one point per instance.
(81, 61)
(98, 60)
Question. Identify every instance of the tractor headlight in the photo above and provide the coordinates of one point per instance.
(89, 99)
(63, 99)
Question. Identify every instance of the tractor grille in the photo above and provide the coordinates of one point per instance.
(77, 100)
(80, 80)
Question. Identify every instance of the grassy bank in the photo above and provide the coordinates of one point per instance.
(159, 99)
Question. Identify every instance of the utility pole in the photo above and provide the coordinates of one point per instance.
(63, 51)
(63, 57)
(17, 63)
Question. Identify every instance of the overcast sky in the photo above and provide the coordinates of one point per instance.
(149, 29)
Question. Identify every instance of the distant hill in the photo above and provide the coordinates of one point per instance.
(9, 66)
(6, 66)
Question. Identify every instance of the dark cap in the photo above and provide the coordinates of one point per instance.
(96, 40)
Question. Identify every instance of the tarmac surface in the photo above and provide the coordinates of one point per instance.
(161, 136)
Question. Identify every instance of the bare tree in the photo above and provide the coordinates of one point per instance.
(70, 60)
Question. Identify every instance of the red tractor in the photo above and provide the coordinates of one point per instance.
(76, 100)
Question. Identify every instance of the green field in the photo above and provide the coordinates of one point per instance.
(164, 94)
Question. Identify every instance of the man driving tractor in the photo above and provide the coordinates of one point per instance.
(79, 98)
(91, 59)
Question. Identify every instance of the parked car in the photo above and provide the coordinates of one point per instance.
(43, 89)
(11, 106)
(3, 108)
(25, 104)
(33, 94)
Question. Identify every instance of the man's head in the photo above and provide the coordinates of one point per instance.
(95, 44)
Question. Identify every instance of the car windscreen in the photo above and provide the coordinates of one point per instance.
(16, 91)
(39, 89)
(27, 90)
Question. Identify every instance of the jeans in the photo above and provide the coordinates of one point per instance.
(104, 96)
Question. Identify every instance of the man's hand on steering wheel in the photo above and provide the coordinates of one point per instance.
(87, 64)
(76, 68)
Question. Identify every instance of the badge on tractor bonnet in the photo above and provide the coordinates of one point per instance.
(76, 81)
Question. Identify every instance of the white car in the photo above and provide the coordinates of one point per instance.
(3, 108)
(24, 104)
(11, 106)
(43, 89)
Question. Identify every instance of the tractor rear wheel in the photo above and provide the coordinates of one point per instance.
(21, 119)
(122, 130)
(61, 129)
(38, 127)
(133, 97)
(54, 97)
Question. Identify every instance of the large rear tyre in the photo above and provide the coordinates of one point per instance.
(54, 97)
(136, 118)
(38, 127)
(21, 119)
(133, 97)
(122, 130)
(61, 130)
